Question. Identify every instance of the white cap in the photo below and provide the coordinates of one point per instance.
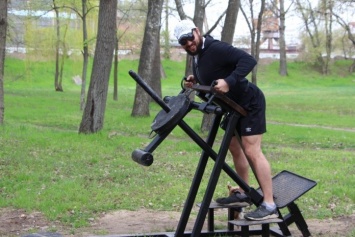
(183, 27)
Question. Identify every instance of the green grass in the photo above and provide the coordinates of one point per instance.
(47, 166)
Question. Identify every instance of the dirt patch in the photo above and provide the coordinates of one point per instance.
(19, 223)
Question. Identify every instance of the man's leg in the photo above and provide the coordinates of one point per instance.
(252, 148)
(241, 163)
(262, 170)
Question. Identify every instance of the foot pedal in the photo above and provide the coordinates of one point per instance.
(234, 213)
(295, 185)
(216, 205)
(244, 222)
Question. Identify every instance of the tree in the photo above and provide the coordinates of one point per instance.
(346, 26)
(123, 17)
(180, 10)
(230, 21)
(199, 14)
(326, 9)
(311, 19)
(60, 46)
(3, 29)
(227, 36)
(157, 70)
(57, 85)
(199, 17)
(85, 52)
(282, 43)
(254, 25)
(183, 16)
(145, 68)
(166, 31)
(280, 13)
(82, 13)
(93, 116)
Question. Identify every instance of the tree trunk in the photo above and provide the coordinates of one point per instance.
(199, 14)
(283, 58)
(199, 17)
(350, 34)
(57, 47)
(93, 116)
(115, 71)
(145, 68)
(62, 60)
(85, 55)
(227, 36)
(351, 68)
(3, 29)
(328, 8)
(254, 26)
(180, 9)
(311, 25)
(230, 21)
(167, 47)
(257, 43)
(156, 73)
(188, 65)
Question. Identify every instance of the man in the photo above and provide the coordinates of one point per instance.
(218, 61)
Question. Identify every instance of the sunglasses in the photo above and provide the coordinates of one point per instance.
(186, 37)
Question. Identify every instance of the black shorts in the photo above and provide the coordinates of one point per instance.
(255, 121)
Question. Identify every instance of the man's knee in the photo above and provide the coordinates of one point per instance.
(249, 153)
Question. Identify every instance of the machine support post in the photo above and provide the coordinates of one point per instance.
(255, 196)
(220, 161)
(197, 179)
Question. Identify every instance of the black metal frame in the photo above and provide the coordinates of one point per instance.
(145, 157)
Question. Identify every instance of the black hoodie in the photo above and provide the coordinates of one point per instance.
(219, 60)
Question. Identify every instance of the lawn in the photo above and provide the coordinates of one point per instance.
(47, 166)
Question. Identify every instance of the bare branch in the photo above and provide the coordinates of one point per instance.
(216, 23)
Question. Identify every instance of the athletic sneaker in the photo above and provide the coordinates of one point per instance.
(236, 199)
(261, 213)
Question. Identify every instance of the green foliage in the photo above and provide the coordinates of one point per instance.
(39, 31)
(47, 166)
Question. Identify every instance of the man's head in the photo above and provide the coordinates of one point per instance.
(188, 36)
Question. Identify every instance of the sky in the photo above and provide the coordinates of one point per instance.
(217, 7)
(293, 22)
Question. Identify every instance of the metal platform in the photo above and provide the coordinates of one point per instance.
(288, 187)
(263, 231)
(232, 210)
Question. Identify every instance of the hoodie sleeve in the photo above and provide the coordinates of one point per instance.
(241, 60)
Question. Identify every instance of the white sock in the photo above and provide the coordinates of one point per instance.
(269, 206)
